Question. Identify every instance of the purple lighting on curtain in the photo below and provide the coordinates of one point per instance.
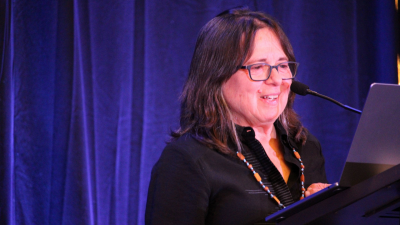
(89, 92)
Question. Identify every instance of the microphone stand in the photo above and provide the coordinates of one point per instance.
(334, 101)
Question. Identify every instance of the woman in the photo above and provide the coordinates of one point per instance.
(240, 153)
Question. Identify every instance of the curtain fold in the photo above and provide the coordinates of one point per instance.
(89, 93)
(7, 104)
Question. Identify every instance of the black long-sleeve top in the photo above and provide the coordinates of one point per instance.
(193, 184)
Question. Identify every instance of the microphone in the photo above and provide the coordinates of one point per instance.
(302, 89)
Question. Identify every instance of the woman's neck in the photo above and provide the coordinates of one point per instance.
(265, 132)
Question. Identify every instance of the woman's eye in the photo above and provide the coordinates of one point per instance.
(257, 67)
(284, 66)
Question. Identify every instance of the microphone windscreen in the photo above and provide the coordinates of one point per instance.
(299, 88)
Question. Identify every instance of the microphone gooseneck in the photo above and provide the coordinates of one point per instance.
(302, 89)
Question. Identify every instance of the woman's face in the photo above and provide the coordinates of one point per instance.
(258, 103)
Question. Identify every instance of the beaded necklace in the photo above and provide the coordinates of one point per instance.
(258, 178)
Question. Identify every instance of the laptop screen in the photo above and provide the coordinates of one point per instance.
(374, 149)
(376, 143)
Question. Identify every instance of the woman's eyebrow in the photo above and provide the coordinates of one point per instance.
(283, 58)
(265, 60)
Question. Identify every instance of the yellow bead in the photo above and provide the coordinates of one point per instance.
(257, 176)
(240, 156)
(276, 199)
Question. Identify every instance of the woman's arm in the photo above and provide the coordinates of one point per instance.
(178, 191)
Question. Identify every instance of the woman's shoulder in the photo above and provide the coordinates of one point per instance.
(187, 155)
(186, 144)
(312, 145)
(311, 138)
(185, 148)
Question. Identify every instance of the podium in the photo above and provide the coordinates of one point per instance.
(368, 192)
(373, 201)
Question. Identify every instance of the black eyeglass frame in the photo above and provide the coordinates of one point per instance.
(270, 69)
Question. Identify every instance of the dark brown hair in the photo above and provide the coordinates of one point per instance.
(222, 46)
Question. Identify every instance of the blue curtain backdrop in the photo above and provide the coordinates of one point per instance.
(89, 92)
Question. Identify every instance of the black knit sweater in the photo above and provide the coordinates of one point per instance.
(193, 184)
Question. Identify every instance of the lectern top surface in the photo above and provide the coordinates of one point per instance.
(375, 146)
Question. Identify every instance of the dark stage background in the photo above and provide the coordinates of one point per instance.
(89, 89)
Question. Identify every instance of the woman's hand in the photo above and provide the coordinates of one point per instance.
(313, 188)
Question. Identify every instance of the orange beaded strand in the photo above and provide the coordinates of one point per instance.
(302, 177)
(258, 178)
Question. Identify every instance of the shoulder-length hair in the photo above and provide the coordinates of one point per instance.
(222, 47)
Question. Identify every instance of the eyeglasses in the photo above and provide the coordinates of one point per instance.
(262, 71)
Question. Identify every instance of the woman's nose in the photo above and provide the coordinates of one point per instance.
(275, 77)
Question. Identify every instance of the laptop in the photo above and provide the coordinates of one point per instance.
(375, 147)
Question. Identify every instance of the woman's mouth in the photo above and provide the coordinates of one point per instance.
(269, 97)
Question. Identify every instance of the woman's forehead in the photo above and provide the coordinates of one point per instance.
(266, 46)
